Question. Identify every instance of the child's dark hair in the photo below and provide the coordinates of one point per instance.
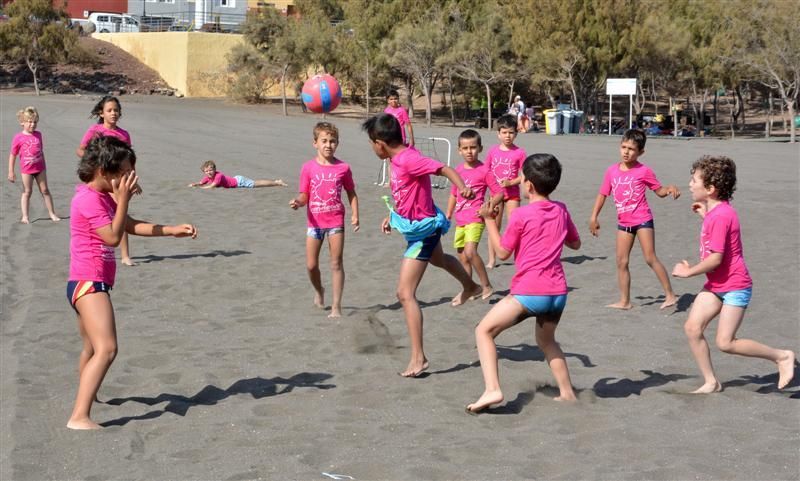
(392, 93)
(470, 134)
(717, 171)
(97, 110)
(637, 136)
(383, 127)
(544, 171)
(506, 121)
(107, 154)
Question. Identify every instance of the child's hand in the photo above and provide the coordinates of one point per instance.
(137, 189)
(354, 222)
(505, 183)
(294, 204)
(466, 193)
(487, 211)
(594, 227)
(183, 230)
(386, 228)
(673, 191)
(699, 208)
(12, 177)
(681, 269)
(125, 186)
(193, 184)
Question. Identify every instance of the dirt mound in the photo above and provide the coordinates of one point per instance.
(113, 71)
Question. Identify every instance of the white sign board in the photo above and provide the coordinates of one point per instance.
(621, 86)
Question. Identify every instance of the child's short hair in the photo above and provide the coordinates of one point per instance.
(207, 164)
(506, 121)
(326, 127)
(717, 171)
(543, 171)
(470, 134)
(384, 127)
(106, 153)
(97, 110)
(28, 113)
(392, 93)
(637, 136)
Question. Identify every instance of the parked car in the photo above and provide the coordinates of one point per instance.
(114, 22)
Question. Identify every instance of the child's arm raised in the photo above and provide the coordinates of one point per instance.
(666, 190)
(683, 269)
(353, 198)
(456, 179)
(123, 188)
(300, 201)
(147, 229)
(594, 226)
(11, 176)
(488, 213)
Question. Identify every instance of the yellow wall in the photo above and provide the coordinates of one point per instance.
(193, 63)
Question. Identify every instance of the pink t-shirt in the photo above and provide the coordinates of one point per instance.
(477, 179)
(629, 191)
(30, 149)
(505, 165)
(323, 185)
(220, 180)
(90, 258)
(536, 234)
(411, 184)
(99, 130)
(721, 234)
(402, 117)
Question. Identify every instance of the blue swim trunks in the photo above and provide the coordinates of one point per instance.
(540, 305)
(633, 228)
(738, 298)
(244, 182)
(422, 250)
(78, 289)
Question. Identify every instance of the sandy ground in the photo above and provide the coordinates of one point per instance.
(226, 371)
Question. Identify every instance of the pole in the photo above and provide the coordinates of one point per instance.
(630, 111)
(609, 114)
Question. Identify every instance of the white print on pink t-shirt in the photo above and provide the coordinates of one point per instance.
(504, 168)
(326, 194)
(626, 197)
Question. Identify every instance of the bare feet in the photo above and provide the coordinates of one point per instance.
(127, 261)
(566, 397)
(335, 312)
(280, 182)
(54, 218)
(319, 299)
(24, 220)
(467, 295)
(487, 399)
(786, 370)
(414, 370)
(620, 305)
(708, 388)
(83, 424)
(490, 264)
(670, 301)
(487, 292)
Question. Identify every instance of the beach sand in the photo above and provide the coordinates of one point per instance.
(226, 371)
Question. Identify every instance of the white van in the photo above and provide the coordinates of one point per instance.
(114, 22)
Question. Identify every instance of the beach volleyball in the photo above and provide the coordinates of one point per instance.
(321, 93)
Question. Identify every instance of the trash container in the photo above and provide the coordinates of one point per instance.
(567, 116)
(552, 122)
(577, 121)
(797, 121)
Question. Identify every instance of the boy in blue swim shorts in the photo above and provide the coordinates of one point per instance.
(214, 178)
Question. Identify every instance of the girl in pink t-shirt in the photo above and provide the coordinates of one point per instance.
(108, 111)
(399, 112)
(628, 181)
(536, 235)
(29, 147)
(97, 222)
(322, 180)
(729, 287)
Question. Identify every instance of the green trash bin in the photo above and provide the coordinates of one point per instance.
(797, 121)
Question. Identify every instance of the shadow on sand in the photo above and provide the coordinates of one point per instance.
(610, 387)
(151, 258)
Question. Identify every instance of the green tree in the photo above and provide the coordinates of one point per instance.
(36, 33)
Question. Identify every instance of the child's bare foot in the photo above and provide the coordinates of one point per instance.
(490, 264)
(335, 312)
(621, 305)
(83, 424)
(54, 218)
(127, 261)
(24, 220)
(786, 370)
(467, 295)
(671, 300)
(319, 299)
(708, 388)
(280, 182)
(414, 370)
(566, 397)
(487, 399)
(487, 292)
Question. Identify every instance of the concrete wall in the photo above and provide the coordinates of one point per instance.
(194, 63)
